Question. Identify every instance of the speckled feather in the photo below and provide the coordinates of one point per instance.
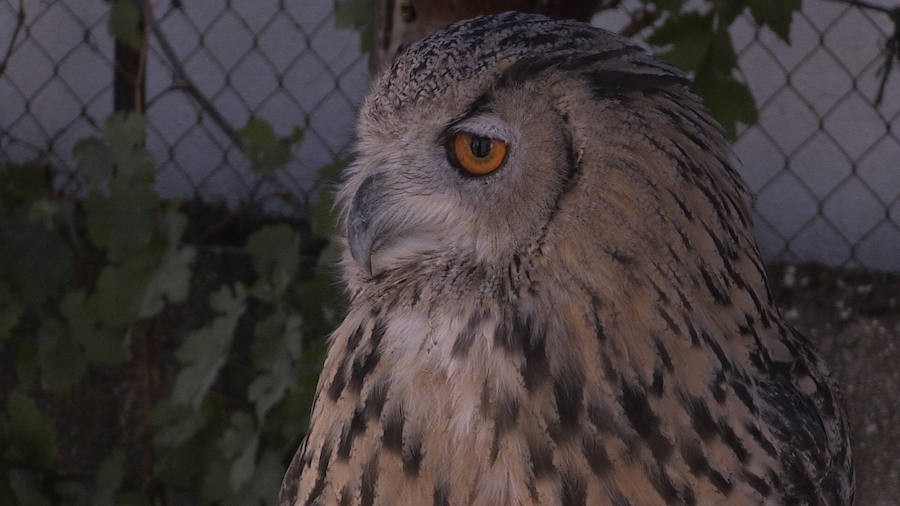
(589, 325)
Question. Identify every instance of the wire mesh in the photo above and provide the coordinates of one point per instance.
(823, 161)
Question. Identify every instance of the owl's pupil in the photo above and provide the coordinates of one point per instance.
(480, 146)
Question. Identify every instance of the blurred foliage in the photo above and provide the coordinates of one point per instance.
(125, 21)
(357, 14)
(100, 286)
(698, 41)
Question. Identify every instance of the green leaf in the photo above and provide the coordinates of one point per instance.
(67, 491)
(293, 337)
(109, 479)
(215, 338)
(276, 258)
(275, 247)
(323, 213)
(357, 14)
(62, 362)
(240, 442)
(125, 129)
(95, 165)
(275, 334)
(239, 432)
(44, 211)
(171, 280)
(229, 300)
(37, 263)
(101, 344)
(243, 467)
(176, 423)
(268, 343)
(205, 350)
(265, 150)
(728, 10)
(215, 488)
(728, 100)
(27, 488)
(194, 381)
(123, 222)
(10, 312)
(697, 43)
(291, 415)
(319, 297)
(259, 135)
(688, 38)
(133, 498)
(120, 289)
(174, 225)
(7, 496)
(21, 184)
(269, 388)
(776, 14)
(259, 486)
(33, 437)
(268, 475)
(119, 157)
(135, 167)
(27, 362)
(721, 58)
(182, 467)
(125, 22)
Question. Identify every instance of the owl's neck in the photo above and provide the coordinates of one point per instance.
(531, 358)
(537, 324)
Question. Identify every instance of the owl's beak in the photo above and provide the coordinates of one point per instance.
(361, 235)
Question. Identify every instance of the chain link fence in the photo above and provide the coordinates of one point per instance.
(287, 64)
(823, 161)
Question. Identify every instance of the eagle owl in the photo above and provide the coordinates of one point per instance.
(555, 297)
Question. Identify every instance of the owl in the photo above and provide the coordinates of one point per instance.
(555, 296)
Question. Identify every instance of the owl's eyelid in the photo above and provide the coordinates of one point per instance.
(486, 125)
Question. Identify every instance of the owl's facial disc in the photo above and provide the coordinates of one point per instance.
(430, 194)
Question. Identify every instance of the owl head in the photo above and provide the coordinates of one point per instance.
(500, 138)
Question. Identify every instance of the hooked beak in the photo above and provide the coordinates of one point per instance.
(361, 232)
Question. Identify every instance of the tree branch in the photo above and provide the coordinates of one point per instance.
(867, 5)
(891, 49)
(184, 83)
(20, 22)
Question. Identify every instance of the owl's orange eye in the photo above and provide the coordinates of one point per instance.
(478, 155)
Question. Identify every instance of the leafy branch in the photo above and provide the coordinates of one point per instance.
(88, 289)
(67, 310)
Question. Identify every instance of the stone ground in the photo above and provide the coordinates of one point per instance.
(854, 317)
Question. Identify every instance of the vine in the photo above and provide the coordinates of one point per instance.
(94, 287)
